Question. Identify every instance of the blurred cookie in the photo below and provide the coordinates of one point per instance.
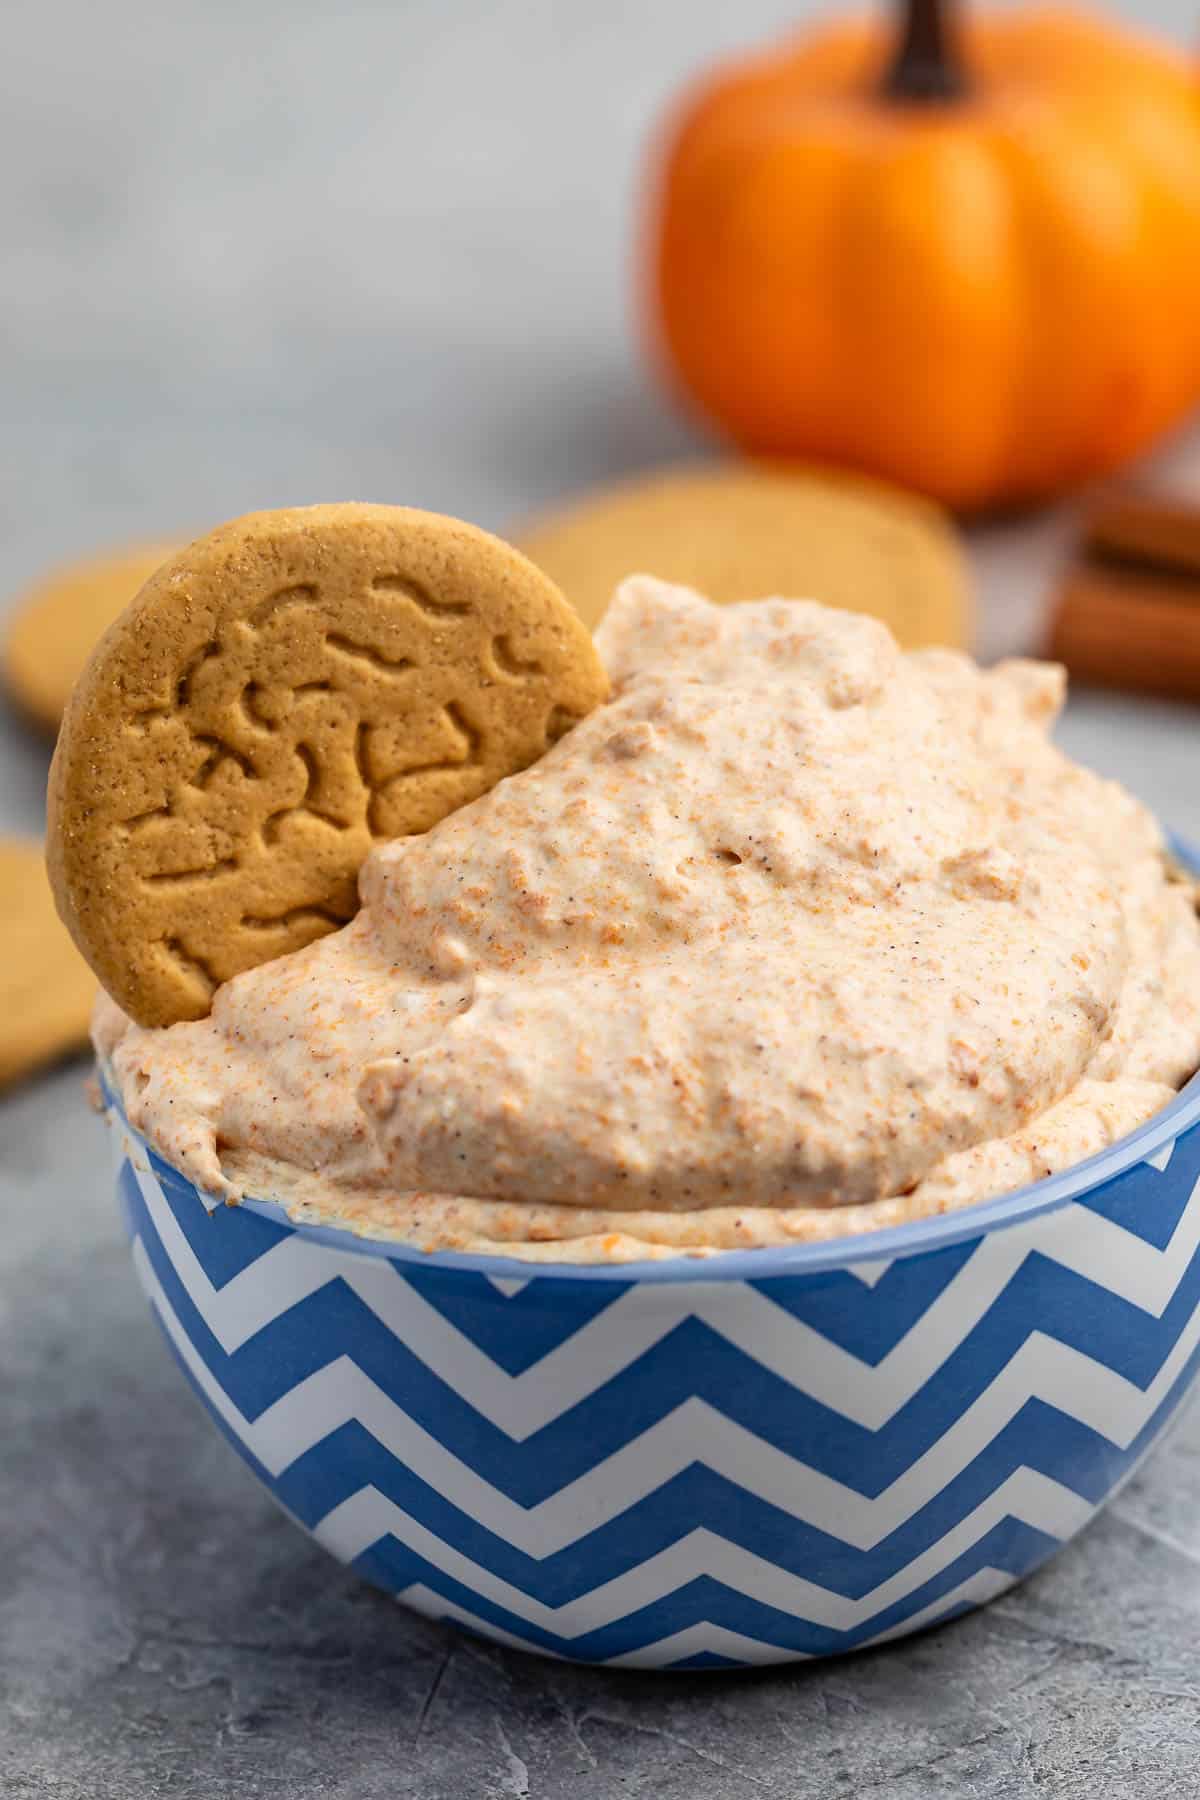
(745, 531)
(281, 695)
(58, 622)
(46, 988)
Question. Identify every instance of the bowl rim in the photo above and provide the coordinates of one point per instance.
(917, 1237)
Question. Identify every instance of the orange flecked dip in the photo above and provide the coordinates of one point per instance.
(797, 936)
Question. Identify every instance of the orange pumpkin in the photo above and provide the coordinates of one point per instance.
(973, 268)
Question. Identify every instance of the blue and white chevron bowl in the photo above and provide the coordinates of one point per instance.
(765, 1456)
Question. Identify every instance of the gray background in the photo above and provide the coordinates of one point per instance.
(259, 254)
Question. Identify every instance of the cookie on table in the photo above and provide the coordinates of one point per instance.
(281, 695)
(58, 622)
(46, 988)
(744, 531)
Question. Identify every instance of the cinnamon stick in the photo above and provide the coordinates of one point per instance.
(1146, 528)
(1118, 631)
(1128, 612)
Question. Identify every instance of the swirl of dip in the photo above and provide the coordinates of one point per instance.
(797, 935)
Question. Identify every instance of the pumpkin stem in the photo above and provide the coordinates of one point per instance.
(925, 67)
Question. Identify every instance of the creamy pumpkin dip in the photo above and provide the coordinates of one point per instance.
(796, 937)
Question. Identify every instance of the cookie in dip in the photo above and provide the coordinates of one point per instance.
(796, 936)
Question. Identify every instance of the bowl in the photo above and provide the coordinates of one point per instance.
(758, 1457)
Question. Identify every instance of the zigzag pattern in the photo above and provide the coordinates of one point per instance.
(689, 1473)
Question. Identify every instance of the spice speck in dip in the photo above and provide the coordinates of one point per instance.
(795, 937)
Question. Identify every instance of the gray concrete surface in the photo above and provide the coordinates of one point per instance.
(253, 254)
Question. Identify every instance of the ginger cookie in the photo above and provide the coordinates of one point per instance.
(746, 531)
(281, 695)
(58, 622)
(46, 988)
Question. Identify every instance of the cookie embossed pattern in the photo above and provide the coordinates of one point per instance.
(288, 691)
